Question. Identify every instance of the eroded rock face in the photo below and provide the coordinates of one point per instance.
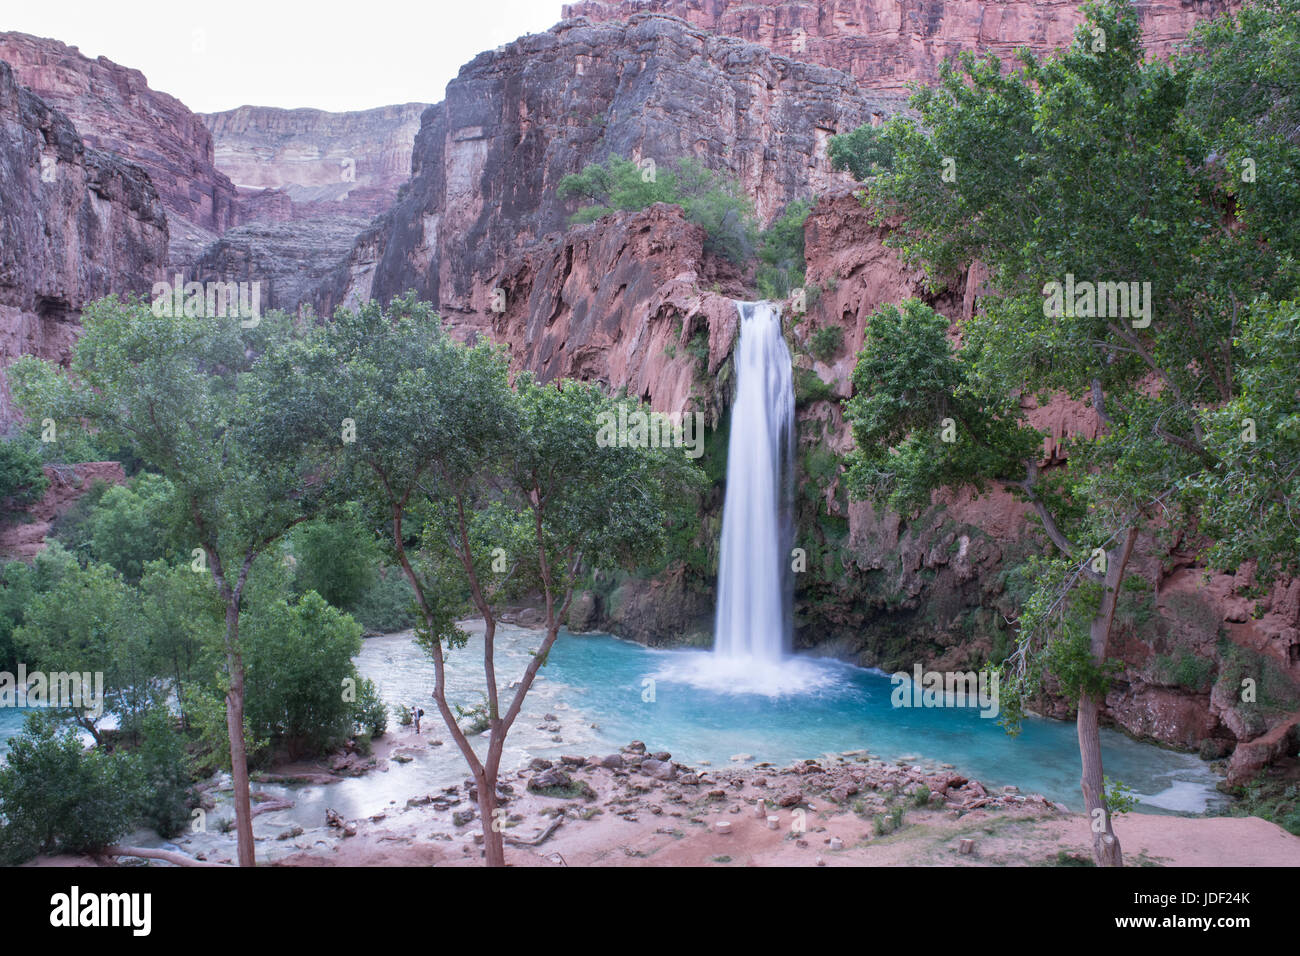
(114, 109)
(317, 163)
(886, 44)
(22, 540)
(289, 259)
(488, 160)
(627, 301)
(76, 223)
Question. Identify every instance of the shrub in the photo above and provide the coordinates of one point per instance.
(387, 605)
(781, 252)
(826, 343)
(371, 714)
(22, 481)
(864, 152)
(57, 797)
(135, 523)
(707, 198)
(163, 768)
(298, 657)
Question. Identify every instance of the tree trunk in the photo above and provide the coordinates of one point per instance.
(235, 729)
(1105, 845)
(493, 838)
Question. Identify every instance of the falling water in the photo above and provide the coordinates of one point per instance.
(753, 622)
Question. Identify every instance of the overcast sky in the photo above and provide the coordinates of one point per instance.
(328, 54)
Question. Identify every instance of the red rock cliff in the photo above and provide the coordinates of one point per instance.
(886, 43)
(76, 223)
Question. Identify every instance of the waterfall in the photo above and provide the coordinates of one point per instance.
(754, 579)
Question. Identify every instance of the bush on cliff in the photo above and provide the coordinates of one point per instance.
(22, 481)
(708, 199)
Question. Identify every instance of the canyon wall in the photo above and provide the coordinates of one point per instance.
(326, 164)
(488, 160)
(885, 44)
(76, 223)
(114, 110)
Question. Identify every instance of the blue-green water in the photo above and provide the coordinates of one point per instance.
(849, 709)
(595, 687)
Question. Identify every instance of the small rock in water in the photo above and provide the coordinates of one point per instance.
(742, 758)
(540, 763)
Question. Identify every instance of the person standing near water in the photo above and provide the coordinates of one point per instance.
(416, 714)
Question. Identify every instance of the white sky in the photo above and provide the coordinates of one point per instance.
(329, 54)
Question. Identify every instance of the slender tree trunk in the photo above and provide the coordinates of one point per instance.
(1105, 845)
(235, 730)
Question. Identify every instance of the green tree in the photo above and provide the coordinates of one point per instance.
(337, 558)
(472, 477)
(864, 152)
(86, 624)
(781, 252)
(137, 523)
(201, 401)
(1087, 164)
(55, 796)
(22, 481)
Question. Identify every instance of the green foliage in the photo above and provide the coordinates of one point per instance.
(131, 525)
(298, 656)
(386, 605)
(162, 766)
(907, 382)
(21, 479)
(370, 715)
(1119, 797)
(826, 343)
(337, 558)
(72, 528)
(707, 198)
(781, 252)
(57, 797)
(1250, 503)
(1269, 798)
(86, 622)
(864, 152)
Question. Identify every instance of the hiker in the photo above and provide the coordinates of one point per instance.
(416, 714)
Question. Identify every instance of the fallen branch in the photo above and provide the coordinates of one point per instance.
(180, 859)
(539, 839)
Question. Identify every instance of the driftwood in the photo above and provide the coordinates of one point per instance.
(270, 806)
(180, 859)
(537, 840)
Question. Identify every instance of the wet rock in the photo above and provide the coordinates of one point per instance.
(462, 817)
(612, 762)
(540, 763)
